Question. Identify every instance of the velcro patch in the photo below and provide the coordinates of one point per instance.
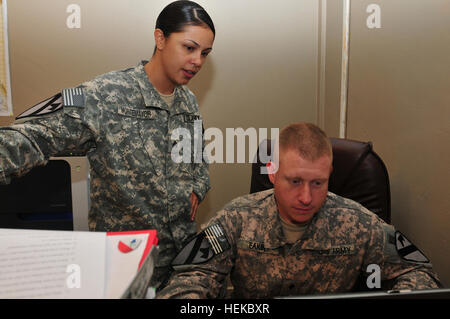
(138, 113)
(208, 243)
(191, 117)
(73, 97)
(216, 238)
(407, 250)
(45, 107)
(256, 246)
(338, 250)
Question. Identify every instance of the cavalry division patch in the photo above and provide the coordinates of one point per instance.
(47, 106)
(407, 250)
(204, 246)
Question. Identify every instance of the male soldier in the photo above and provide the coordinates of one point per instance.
(297, 238)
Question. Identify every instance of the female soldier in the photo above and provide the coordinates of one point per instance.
(123, 122)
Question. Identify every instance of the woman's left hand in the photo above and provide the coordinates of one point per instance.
(194, 205)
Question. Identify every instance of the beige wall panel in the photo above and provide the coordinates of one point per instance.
(333, 67)
(399, 98)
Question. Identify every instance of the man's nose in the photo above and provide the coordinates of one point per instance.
(304, 195)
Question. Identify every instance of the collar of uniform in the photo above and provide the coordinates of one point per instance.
(316, 235)
(181, 102)
(148, 91)
(152, 97)
(274, 237)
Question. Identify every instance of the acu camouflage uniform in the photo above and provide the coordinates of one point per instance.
(124, 127)
(341, 240)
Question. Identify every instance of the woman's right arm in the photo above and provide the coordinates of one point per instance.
(35, 139)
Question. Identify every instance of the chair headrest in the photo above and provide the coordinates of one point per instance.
(347, 156)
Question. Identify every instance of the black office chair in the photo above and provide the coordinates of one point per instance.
(358, 174)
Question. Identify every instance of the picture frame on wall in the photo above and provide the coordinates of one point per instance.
(5, 81)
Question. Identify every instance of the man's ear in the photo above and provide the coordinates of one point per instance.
(271, 170)
(160, 39)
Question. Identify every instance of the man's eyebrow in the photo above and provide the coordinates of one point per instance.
(295, 176)
(198, 45)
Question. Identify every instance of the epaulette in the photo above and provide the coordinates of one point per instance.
(204, 246)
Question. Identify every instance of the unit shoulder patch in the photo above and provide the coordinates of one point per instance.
(204, 246)
(45, 107)
(407, 250)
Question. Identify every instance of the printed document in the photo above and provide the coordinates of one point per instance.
(73, 264)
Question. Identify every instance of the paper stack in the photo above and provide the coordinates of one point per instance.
(71, 264)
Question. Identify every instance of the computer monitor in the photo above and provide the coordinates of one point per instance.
(442, 293)
(54, 196)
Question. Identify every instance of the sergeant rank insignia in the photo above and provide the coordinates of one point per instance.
(407, 250)
(204, 246)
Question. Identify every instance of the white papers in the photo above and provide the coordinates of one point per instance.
(72, 264)
(51, 264)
